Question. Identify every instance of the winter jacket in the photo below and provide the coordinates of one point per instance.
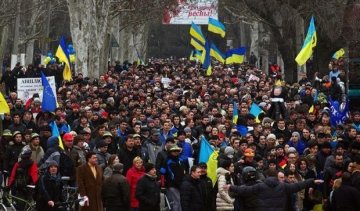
(272, 195)
(191, 195)
(116, 192)
(37, 153)
(133, 176)
(32, 171)
(345, 198)
(151, 150)
(126, 157)
(223, 199)
(148, 193)
(12, 153)
(102, 158)
(174, 171)
(49, 189)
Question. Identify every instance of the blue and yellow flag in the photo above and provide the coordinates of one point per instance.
(216, 53)
(195, 55)
(256, 111)
(48, 98)
(195, 32)
(4, 107)
(235, 55)
(309, 43)
(216, 26)
(235, 113)
(63, 56)
(55, 133)
(338, 54)
(206, 61)
(196, 44)
(209, 156)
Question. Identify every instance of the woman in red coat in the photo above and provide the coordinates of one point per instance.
(133, 175)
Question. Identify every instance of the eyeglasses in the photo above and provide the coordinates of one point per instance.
(291, 157)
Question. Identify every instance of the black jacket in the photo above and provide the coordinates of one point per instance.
(49, 189)
(208, 192)
(148, 193)
(116, 192)
(345, 198)
(272, 195)
(191, 195)
(126, 157)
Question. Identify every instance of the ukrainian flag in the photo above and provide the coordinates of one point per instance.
(48, 98)
(309, 43)
(63, 56)
(209, 156)
(216, 26)
(215, 53)
(55, 133)
(256, 111)
(235, 113)
(197, 44)
(195, 32)
(206, 61)
(195, 55)
(338, 54)
(235, 55)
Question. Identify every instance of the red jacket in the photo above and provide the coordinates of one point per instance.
(133, 175)
(32, 171)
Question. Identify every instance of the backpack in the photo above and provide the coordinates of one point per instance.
(22, 178)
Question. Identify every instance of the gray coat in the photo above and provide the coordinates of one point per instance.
(272, 194)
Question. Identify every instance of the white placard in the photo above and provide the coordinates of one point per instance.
(253, 78)
(14, 59)
(165, 82)
(187, 11)
(27, 87)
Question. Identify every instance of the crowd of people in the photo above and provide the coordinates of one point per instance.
(133, 136)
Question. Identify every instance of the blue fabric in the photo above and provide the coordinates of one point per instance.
(163, 136)
(242, 129)
(186, 151)
(300, 146)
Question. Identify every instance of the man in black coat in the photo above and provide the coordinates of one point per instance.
(345, 197)
(206, 185)
(355, 177)
(148, 190)
(116, 190)
(272, 194)
(191, 192)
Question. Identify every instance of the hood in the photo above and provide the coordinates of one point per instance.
(221, 171)
(271, 182)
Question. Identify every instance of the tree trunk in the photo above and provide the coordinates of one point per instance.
(16, 40)
(89, 25)
(29, 52)
(4, 31)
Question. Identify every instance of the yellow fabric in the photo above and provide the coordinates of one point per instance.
(4, 107)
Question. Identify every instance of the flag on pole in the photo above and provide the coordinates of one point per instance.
(195, 55)
(195, 32)
(209, 156)
(206, 61)
(256, 111)
(48, 98)
(309, 43)
(216, 26)
(235, 55)
(63, 56)
(215, 53)
(235, 113)
(338, 54)
(4, 107)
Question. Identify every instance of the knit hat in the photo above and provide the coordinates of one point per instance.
(296, 134)
(292, 150)
(187, 130)
(229, 152)
(68, 137)
(52, 141)
(26, 154)
(148, 167)
(53, 163)
(118, 167)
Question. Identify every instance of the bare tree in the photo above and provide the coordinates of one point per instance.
(281, 18)
(91, 23)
